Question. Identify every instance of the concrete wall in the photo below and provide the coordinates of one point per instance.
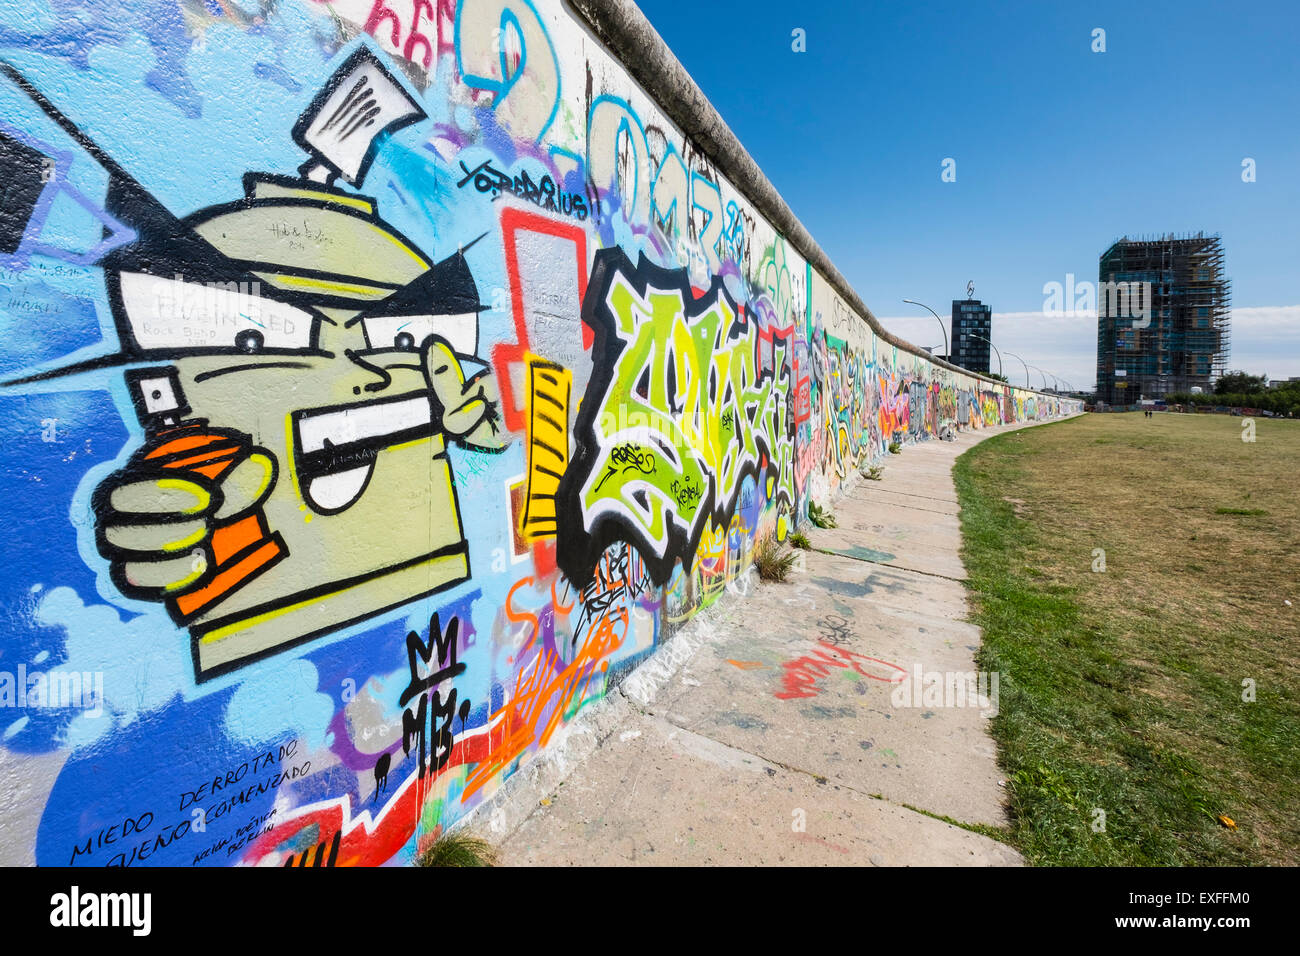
(384, 379)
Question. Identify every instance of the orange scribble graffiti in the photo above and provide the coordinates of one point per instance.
(544, 688)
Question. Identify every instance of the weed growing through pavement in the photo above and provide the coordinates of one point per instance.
(773, 560)
(458, 849)
(820, 516)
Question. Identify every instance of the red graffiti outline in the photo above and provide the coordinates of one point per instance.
(505, 354)
(802, 673)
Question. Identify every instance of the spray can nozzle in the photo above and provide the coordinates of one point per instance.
(158, 398)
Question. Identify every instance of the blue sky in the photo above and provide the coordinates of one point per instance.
(1058, 150)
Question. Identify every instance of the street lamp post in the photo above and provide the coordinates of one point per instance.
(1022, 362)
(976, 335)
(1044, 374)
(947, 353)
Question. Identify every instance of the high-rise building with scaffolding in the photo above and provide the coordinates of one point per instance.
(1163, 317)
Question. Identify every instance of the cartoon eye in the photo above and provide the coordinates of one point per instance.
(177, 315)
(412, 331)
(250, 340)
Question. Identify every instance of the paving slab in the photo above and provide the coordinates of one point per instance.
(815, 689)
(661, 796)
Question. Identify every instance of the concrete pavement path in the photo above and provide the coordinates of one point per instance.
(774, 735)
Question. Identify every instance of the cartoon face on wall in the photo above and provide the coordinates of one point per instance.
(298, 367)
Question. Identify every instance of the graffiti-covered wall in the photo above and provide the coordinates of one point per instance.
(382, 380)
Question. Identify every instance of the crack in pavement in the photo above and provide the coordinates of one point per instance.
(818, 778)
(890, 491)
(894, 567)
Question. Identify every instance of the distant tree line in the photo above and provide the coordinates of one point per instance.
(1247, 391)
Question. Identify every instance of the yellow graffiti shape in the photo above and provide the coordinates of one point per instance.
(549, 389)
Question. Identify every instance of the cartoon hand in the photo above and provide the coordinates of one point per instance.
(470, 408)
(154, 525)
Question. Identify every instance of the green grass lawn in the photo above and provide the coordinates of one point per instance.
(1122, 690)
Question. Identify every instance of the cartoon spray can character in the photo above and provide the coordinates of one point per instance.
(299, 367)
